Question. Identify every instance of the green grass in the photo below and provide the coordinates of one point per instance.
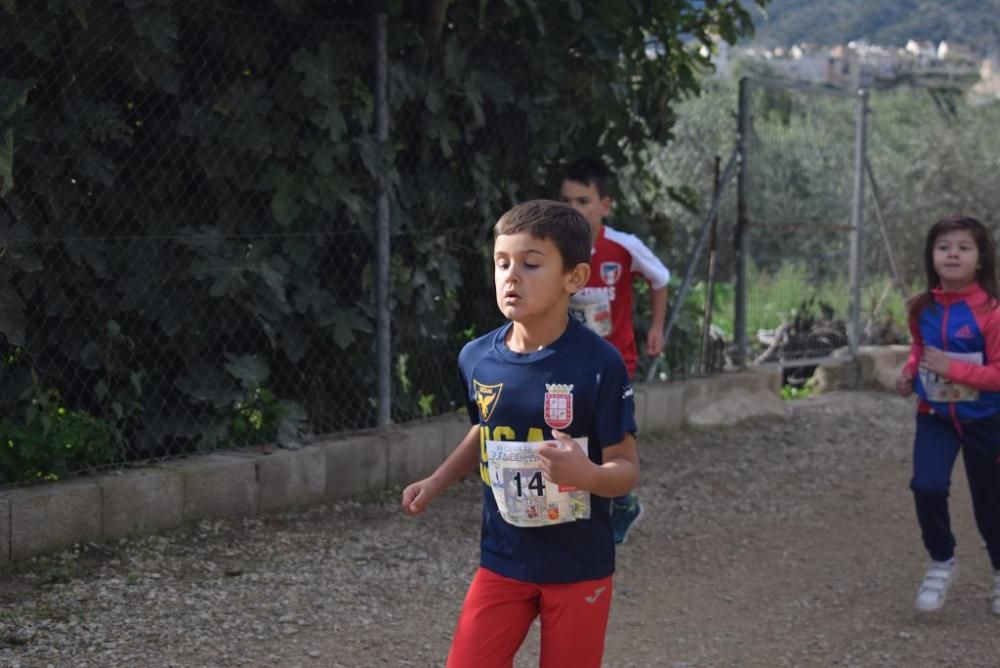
(774, 298)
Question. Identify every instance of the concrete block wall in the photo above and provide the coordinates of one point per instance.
(49, 517)
(355, 465)
(878, 366)
(140, 501)
(291, 478)
(52, 516)
(4, 531)
(875, 368)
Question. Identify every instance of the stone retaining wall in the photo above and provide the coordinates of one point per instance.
(45, 518)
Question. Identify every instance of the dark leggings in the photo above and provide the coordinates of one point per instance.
(935, 447)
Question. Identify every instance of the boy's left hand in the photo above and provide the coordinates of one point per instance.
(565, 464)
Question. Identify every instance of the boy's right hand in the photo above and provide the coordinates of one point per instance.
(904, 384)
(418, 495)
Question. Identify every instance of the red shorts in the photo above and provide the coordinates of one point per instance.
(498, 611)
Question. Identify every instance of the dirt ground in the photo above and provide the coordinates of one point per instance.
(773, 543)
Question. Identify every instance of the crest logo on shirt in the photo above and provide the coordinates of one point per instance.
(558, 410)
(487, 397)
(611, 272)
(964, 332)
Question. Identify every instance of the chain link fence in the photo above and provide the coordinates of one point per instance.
(179, 272)
(798, 172)
(189, 227)
(190, 230)
(672, 191)
(918, 156)
(932, 153)
(456, 173)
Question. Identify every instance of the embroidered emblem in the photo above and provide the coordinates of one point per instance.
(487, 397)
(558, 410)
(611, 272)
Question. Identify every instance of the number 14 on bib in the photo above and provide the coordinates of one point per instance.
(523, 496)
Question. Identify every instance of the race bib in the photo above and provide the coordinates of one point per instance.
(939, 388)
(523, 495)
(593, 309)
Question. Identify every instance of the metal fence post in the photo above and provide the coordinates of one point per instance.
(706, 323)
(740, 234)
(857, 220)
(383, 342)
(678, 300)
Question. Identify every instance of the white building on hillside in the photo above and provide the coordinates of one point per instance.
(843, 67)
(804, 62)
(877, 60)
(925, 53)
(855, 64)
(955, 53)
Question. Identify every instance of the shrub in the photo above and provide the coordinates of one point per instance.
(54, 441)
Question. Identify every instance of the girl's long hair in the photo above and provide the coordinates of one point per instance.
(986, 275)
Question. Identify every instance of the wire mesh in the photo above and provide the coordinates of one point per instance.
(672, 207)
(928, 154)
(460, 160)
(187, 244)
(180, 270)
(698, 325)
(799, 176)
(932, 154)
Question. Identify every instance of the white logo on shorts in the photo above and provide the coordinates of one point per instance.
(596, 595)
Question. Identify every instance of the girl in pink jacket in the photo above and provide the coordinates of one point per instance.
(954, 368)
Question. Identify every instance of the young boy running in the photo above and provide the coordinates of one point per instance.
(553, 440)
(606, 302)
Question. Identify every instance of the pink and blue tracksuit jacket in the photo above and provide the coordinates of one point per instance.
(962, 321)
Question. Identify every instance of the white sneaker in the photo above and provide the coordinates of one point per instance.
(996, 593)
(933, 589)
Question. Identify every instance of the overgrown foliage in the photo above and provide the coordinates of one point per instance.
(187, 195)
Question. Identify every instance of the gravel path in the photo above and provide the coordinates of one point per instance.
(774, 543)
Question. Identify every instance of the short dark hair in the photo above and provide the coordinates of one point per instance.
(546, 219)
(590, 172)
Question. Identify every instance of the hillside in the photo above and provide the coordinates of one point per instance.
(974, 23)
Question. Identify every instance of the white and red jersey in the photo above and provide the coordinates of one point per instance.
(615, 258)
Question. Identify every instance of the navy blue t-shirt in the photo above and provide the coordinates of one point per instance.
(506, 395)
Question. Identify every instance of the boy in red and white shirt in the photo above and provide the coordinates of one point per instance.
(605, 305)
